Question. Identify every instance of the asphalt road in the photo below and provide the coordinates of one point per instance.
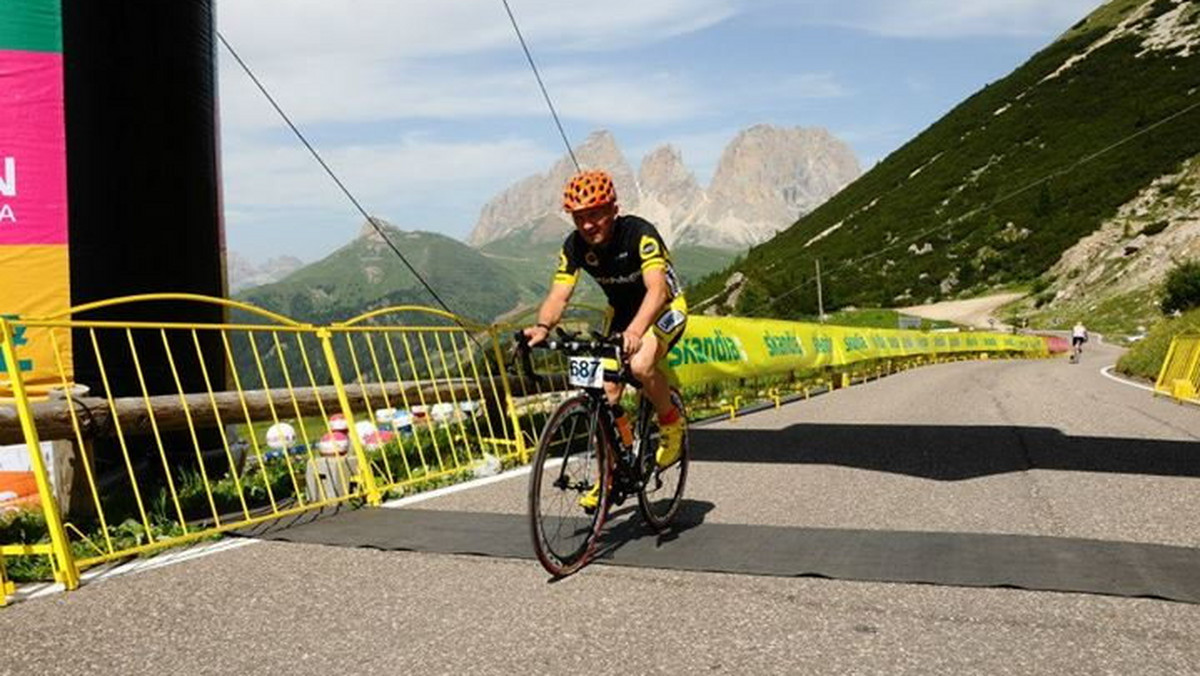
(1026, 447)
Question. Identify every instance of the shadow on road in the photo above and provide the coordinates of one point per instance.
(947, 453)
(691, 514)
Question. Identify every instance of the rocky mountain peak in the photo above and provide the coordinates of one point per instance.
(670, 194)
(768, 177)
(663, 171)
(243, 274)
(368, 231)
(531, 200)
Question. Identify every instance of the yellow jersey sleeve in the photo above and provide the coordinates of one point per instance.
(652, 253)
(567, 271)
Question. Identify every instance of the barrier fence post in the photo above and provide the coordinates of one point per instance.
(1188, 391)
(6, 588)
(509, 405)
(366, 473)
(1161, 384)
(65, 570)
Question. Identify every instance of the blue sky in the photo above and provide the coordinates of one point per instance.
(427, 108)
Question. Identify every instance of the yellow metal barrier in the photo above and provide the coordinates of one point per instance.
(225, 425)
(62, 562)
(172, 443)
(1179, 376)
(453, 391)
(7, 588)
(194, 429)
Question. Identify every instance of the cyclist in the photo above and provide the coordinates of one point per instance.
(1079, 336)
(629, 260)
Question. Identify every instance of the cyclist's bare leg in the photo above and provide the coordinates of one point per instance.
(613, 391)
(644, 365)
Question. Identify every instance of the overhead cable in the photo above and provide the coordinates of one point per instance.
(346, 191)
(541, 84)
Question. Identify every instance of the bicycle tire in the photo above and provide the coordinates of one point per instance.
(662, 489)
(565, 540)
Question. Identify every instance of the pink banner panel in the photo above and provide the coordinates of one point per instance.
(33, 149)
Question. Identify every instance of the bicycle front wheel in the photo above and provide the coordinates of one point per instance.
(566, 509)
(662, 487)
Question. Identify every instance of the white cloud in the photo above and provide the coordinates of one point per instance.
(812, 86)
(279, 199)
(386, 29)
(938, 18)
(379, 174)
(343, 90)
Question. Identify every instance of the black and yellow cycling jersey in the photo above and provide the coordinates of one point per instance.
(633, 248)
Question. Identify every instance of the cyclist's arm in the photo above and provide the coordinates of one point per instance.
(658, 293)
(561, 288)
(555, 304)
(551, 311)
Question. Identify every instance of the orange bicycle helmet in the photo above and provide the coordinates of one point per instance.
(589, 189)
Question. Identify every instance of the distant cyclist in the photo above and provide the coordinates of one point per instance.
(629, 260)
(1079, 336)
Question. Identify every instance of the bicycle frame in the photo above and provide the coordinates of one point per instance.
(602, 414)
(621, 472)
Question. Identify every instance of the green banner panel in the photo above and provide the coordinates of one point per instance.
(31, 25)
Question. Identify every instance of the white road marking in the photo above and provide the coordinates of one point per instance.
(474, 483)
(1107, 373)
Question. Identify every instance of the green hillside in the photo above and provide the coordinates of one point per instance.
(366, 274)
(531, 262)
(994, 192)
(697, 262)
(1145, 358)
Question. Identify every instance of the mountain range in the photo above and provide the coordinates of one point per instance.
(241, 273)
(766, 177)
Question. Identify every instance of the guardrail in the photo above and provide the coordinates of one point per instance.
(1179, 376)
(227, 425)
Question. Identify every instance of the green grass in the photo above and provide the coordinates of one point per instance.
(1144, 359)
(1107, 16)
(1115, 316)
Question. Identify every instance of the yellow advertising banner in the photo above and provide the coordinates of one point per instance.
(39, 279)
(713, 349)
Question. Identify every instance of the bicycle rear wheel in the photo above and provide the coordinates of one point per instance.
(569, 463)
(662, 488)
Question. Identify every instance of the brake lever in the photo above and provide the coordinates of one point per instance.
(522, 351)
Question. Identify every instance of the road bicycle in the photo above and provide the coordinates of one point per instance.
(581, 448)
(1076, 351)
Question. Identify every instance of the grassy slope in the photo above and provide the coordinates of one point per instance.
(363, 275)
(938, 182)
(1145, 358)
(1115, 315)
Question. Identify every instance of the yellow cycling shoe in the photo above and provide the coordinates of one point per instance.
(591, 500)
(670, 443)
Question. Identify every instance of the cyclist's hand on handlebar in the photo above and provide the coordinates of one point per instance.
(631, 342)
(535, 335)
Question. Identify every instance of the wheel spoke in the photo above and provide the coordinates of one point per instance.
(565, 468)
(662, 490)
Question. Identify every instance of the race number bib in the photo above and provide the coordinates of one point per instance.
(585, 372)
